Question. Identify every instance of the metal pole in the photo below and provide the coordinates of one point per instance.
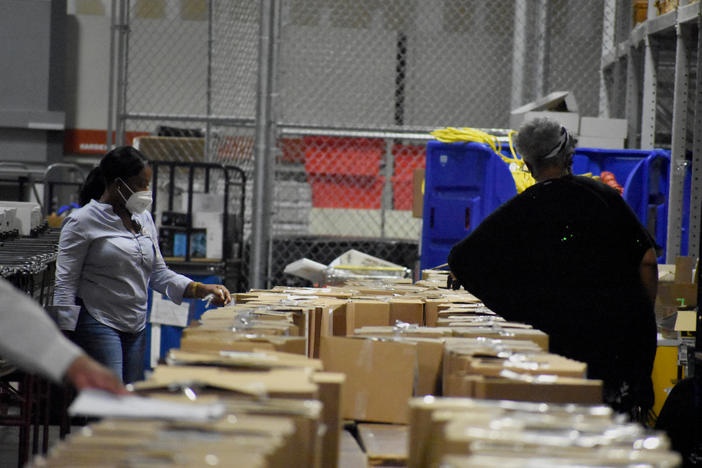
(122, 50)
(542, 46)
(648, 111)
(273, 130)
(262, 166)
(519, 39)
(608, 48)
(632, 106)
(208, 95)
(678, 149)
(696, 189)
(111, 78)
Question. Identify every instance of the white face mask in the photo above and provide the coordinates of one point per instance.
(138, 202)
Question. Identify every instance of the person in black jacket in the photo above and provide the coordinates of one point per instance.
(569, 257)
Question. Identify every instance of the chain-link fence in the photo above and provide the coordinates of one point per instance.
(356, 86)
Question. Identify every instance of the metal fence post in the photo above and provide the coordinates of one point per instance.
(261, 192)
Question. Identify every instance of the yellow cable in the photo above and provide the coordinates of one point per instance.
(517, 167)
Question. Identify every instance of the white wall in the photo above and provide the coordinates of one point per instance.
(87, 69)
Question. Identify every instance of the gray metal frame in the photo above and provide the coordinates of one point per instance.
(643, 43)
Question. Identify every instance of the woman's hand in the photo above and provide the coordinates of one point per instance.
(219, 291)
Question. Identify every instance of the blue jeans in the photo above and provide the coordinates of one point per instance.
(121, 352)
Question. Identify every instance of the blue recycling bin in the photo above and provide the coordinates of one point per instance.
(170, 334)
(464, 183)
(647, 190)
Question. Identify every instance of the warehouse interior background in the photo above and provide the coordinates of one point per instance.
(330, 113)
(281, 130)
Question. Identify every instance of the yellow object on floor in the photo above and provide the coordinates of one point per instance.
(665, 373)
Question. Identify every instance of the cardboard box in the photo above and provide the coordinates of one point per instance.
(429, 416)
(361, 313)
(211, 225)
(407, 311)
(570, 120)
(681, 291)
(385, 444)
(380, 377)
(603, 128)
(430, 362)
(242, 359)
(331, 395)
(411, 332)
(431, 311)
(228, 341)
(601, 142)
(540, 389)
(537, 336)
(418, 192)
(532, 364)
(555, 102)
(275, 383)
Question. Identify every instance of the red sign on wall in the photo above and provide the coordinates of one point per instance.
(86, 141)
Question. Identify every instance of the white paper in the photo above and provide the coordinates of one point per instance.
(307, 269)
(167, 312)
(101, 404)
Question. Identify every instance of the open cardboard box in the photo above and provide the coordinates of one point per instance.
(382, 375)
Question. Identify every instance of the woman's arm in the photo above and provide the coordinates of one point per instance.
(73, 248)
(649, 273)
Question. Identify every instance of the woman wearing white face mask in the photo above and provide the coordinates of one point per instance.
(108, 257)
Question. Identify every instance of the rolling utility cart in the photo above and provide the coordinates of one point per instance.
(198, 209)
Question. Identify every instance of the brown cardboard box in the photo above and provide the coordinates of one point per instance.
(422, 432)
(537, 336)
(280, 383)
(532, 364)
(406, 310)
(253, 360)
(331, 395)
(429, 416)
(379, 377)
(418, 192)
(431, 311)
(195, 341)
(684, 288)
(549, 390)
(385, 444)
(360, 313)
(410, 332)
(430, 355)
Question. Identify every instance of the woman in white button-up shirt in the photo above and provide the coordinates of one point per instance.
(108, 257)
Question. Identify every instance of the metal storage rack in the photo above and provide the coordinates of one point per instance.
(231, 266)
(644, 68)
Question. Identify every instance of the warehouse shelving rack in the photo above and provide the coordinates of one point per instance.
(231, 266)
(634, 61)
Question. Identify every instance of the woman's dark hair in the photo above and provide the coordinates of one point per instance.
(123, 162)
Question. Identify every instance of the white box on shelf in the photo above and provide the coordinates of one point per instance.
(600, 142)
(213, 224)
(601, 127)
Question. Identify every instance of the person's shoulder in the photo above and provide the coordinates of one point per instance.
(591, 184)
(89, 214)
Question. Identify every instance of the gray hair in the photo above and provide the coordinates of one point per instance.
(543, 142)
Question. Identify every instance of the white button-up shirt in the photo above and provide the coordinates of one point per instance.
(110, 268)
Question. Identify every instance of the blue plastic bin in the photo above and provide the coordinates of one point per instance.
(464, 183)
(619, 162)
(647, 190)
(170, 335)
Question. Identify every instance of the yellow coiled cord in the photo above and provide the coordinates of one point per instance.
(517, 167)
